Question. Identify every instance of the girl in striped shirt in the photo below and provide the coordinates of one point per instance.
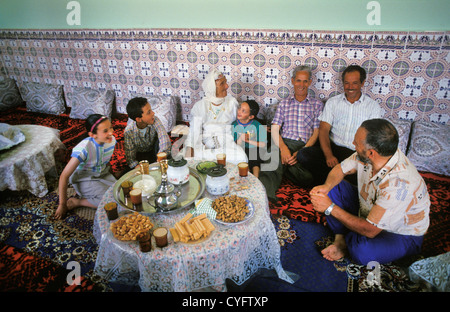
(88, 170)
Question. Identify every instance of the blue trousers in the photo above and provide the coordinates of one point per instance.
(383, 248)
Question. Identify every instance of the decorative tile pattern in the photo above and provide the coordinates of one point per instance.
(408, 73)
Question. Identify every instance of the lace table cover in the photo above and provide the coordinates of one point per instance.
(234, 252)
(23, 167)
(435, 271)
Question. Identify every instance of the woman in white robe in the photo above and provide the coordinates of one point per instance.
(210, 131)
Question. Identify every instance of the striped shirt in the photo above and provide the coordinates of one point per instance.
(93, 157)
(298, 119)
(345, 117)
(395, 199)
(144, 141)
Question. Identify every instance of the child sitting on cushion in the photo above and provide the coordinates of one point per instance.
(88, 170)
(250, 133)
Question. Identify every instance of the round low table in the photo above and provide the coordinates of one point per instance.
(23, 167)
(234, 252)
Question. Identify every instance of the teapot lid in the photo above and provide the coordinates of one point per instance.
(177, 162)
(217, 171)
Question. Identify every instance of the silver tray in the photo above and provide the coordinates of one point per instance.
(190, 191)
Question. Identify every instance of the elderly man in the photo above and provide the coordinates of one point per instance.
(341, 117)
(386, 217)
(297, 117)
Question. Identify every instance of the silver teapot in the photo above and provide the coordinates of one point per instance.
(166, 195)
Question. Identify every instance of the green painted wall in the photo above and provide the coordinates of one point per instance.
(349, 15)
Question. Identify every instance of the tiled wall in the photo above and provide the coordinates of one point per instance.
(408, 73)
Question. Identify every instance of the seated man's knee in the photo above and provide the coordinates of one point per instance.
(359, 248)
(308, 154)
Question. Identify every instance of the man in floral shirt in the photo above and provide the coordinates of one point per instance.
(386, 217)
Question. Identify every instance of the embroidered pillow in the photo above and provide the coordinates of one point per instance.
(430, 147)
(165, 108)
(84, 102)
(43, 98)
(404, 129)
(9, 94)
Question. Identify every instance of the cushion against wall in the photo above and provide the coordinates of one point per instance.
(404, 129)
(9, 94)
(430, 147)
(165, 108)
(84, 102)
(43, 98)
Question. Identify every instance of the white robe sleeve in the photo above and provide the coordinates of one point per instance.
(195, 126)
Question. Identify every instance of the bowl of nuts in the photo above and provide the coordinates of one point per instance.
(127, 227)
(232, 210)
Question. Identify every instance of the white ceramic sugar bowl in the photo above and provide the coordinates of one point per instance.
(217, 181)
(177, 171)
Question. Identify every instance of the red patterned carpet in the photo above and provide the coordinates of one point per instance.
(295, 203)
(437, 239)
(21, 271)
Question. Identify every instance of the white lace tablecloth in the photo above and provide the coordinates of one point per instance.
(234, 252)
(23, 167)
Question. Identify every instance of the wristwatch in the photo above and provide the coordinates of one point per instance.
(328, 210)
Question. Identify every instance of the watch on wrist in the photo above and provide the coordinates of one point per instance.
(328, 210)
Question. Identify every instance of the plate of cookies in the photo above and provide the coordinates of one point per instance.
(192, 229)
(127, 227)
(232, 210)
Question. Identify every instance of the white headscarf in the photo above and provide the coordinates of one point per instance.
(209, 86)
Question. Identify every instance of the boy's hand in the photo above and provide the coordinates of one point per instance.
(241, 139)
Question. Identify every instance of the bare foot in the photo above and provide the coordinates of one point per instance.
(63, 209)
(71, 203)
(336, 250)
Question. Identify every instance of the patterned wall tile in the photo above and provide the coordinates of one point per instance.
(408, 73)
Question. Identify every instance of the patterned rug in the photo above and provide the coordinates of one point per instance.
(301, 243)
(23, 271)
(295, 203)
(298, 222)
(35, 249)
